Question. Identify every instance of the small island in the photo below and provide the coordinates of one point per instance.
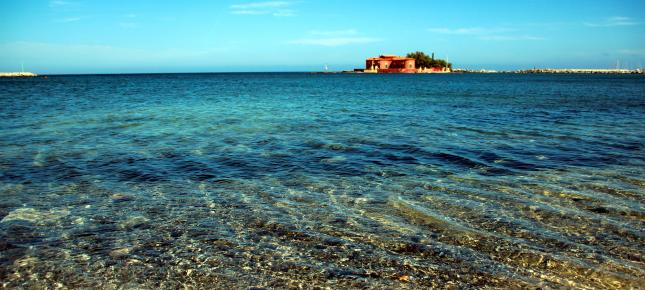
(415, 62)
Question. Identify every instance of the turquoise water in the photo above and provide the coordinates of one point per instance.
(309, 180)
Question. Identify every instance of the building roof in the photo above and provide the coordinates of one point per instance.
(390, 57)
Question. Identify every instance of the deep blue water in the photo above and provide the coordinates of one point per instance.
(280, 180)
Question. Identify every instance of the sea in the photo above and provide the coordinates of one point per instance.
(322, 181)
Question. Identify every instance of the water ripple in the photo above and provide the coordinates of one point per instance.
(340, 181)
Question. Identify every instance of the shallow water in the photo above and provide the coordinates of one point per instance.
(303, 180)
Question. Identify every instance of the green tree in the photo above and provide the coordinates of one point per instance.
(423, 60)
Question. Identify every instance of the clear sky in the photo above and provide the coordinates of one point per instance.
(92, 36)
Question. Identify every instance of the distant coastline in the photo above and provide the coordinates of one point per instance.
(557, 71)
(17, 74)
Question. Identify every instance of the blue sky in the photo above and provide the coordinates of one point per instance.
(83, 36)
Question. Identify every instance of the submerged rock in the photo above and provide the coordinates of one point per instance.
(120, 197)
(25, 262)
(331, 160)
(120, 253)
(34, 215)
(335, 146)
(134, 222)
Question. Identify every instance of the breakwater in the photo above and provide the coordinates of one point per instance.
(580, 71)
(555, 71)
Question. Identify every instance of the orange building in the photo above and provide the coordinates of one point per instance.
(390, 64)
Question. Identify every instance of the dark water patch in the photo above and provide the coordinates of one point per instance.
(51, 169)
(17, 237)
(140, 175)
(628, 146)
(340, 147)
(237, 166)
(269, 142)
(399, 155)
(342, 168)
(558, 157)
(204, 176)
(195, 170)
(402, 159)
(458, 160)
(403, 148)
(492, 158)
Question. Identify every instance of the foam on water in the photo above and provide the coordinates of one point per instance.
(300, 180)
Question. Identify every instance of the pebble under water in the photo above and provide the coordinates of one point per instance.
(309, 180)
